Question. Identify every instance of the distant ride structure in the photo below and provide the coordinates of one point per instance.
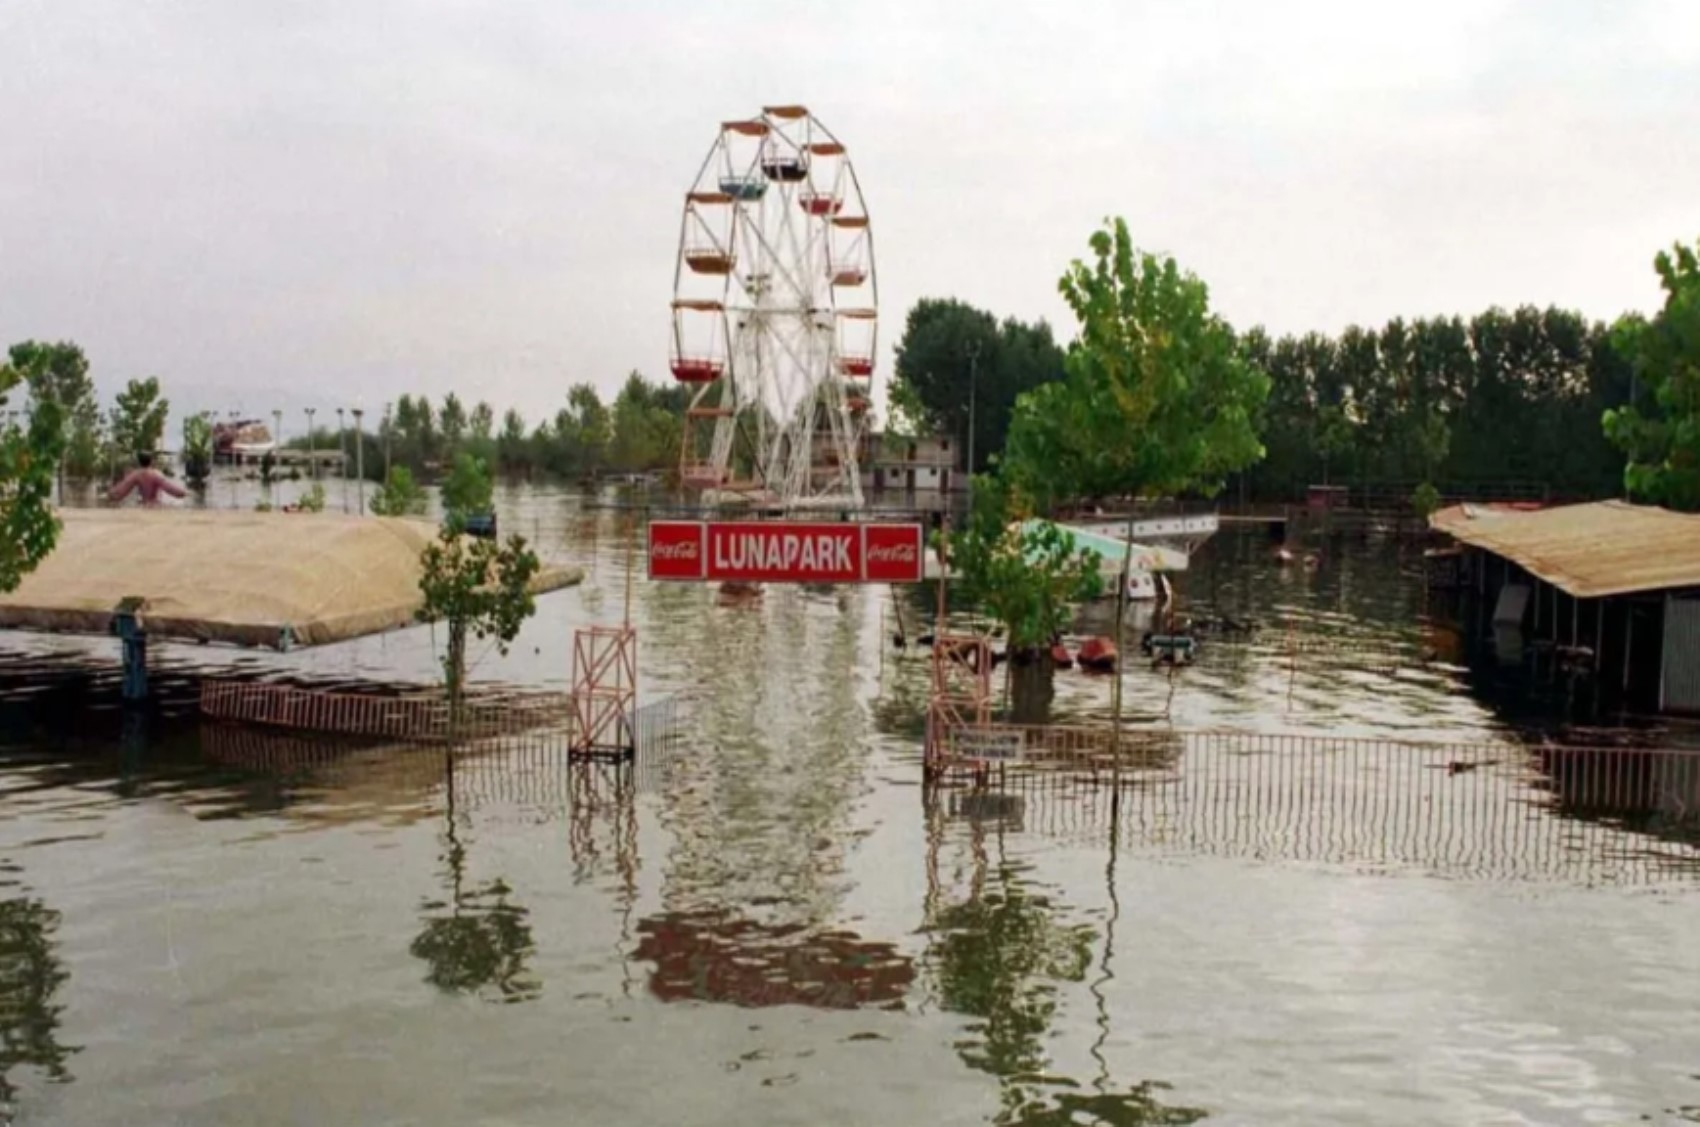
(775, 317)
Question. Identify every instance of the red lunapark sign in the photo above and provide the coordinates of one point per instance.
(784, 551)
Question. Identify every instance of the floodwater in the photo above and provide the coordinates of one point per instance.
(774, 922)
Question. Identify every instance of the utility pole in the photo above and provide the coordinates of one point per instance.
(387, 429)
(359, 463)
(312, 462)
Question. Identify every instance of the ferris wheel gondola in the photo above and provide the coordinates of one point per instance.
(775, 316)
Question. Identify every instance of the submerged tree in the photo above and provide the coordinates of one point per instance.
(452, 423)
(138, 421)
(646, 426)
(1028, 578)
(399, 496)
(479, 588)
(468, 491)
(197, 449)
(59, 374)
(1663, 445)
(29, 461)
(1159, 399)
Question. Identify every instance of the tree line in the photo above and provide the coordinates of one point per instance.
(639, 433)
(1500, 405)
(1157, 396)
(1506, 403)
(93, 442)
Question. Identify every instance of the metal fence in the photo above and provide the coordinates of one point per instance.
(537, 768)
(415, 717)
(1605, 814)
(423, 717)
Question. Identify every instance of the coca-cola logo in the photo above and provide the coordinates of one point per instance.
(892, 553)
(678, 550)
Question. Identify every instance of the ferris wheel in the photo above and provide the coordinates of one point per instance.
(775, 316)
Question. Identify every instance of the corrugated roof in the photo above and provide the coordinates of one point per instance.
(1588, 551)
(251, 579)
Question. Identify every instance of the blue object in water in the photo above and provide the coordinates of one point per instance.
(134, 636)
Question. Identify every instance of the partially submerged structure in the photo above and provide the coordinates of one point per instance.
(1144, 562)
(1611, 588)
(270, 580)
(1109, 547)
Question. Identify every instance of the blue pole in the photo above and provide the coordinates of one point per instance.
(134, 637)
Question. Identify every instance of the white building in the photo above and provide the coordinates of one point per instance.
(897, 463)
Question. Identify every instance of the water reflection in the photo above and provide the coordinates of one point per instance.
(757, 803)
(711, 956)
(478, 940)
(999, 954)
(996, 955)
(30, 977)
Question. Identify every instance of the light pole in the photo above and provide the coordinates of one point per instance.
(386, 443)
(973, 388)
(342, 448)
(312, 462)
(235, 458)
(359, 463)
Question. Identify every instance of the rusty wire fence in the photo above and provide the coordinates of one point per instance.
(538, 770)
(419, 717)
(422, 717)
(1594, 814)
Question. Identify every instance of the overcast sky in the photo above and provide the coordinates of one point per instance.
(344, 198)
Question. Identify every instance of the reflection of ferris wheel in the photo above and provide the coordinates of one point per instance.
(774, 315)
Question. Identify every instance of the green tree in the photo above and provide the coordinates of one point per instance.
(399, 496)
(593, 428)
(29, 460)
(479, 588)
(512, 453)
(1425, 499)
(452, 423)
(481, 424)
(956, 361)
(197, 449)
(1335, 435)
(481, 434)
(1029, 579)
(468, 490)
(138, 421)
(313, 500)
(1499, 403)
(1159, 398)
(1663, 444)
(646, 426)
(414, 431)
(60, 373)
